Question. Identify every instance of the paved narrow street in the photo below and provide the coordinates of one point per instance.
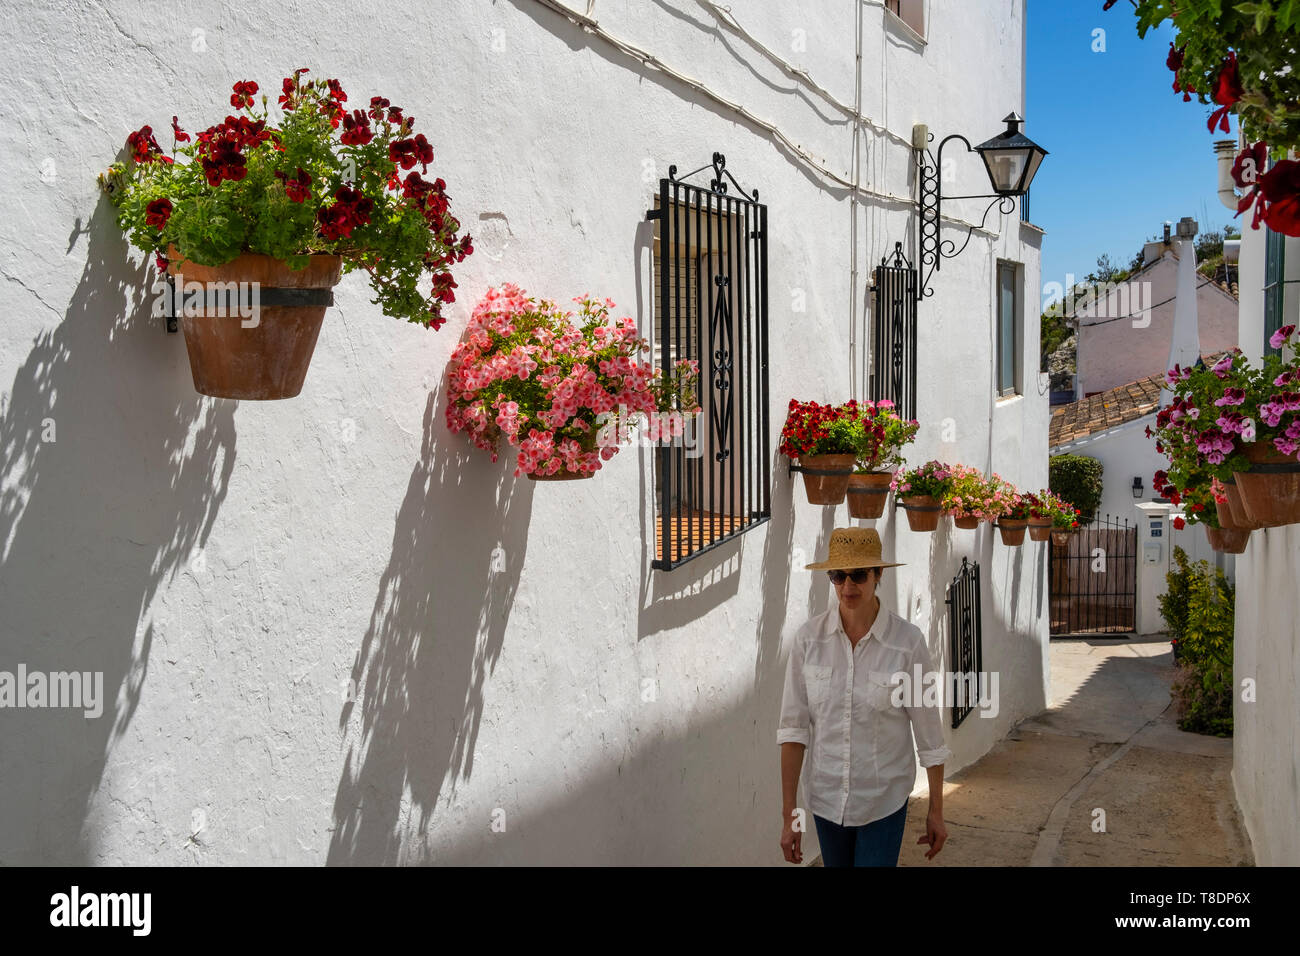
(1108, 741)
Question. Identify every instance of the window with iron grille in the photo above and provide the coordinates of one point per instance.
(966, 641)
(893, 339)
(710, 295)
(1274, 287)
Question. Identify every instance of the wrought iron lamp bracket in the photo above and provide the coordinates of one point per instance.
(932, 249)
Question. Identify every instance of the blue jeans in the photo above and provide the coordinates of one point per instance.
(872, 844)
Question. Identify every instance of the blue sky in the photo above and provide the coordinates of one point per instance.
(1125, 152)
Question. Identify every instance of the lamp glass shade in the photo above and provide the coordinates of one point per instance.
(1012, 159)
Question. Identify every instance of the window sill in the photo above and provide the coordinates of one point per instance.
(1003, 400)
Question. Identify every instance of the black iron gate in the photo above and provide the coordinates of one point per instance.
(893, 339)
(1093, 575)
(711, 306)
(965, 640)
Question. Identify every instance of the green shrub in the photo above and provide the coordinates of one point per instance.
(1077, 479)
(1199, 610)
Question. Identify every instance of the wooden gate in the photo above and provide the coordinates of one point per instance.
(1094, 580)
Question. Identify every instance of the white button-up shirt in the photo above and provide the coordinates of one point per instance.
(837, 703)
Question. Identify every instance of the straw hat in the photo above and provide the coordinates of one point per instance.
(853, 548)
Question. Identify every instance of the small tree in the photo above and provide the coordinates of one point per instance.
(1077, 479)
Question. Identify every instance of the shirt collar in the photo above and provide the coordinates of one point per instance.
(877, 629)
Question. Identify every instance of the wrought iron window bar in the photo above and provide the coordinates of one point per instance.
(712, 307)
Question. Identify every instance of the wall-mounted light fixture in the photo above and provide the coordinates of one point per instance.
(1138, 490)
(1011, 159)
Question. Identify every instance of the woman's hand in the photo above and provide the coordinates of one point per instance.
(791, 841)
(935, 833)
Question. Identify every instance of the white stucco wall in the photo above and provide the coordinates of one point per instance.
(1266, 735)
(1114, 350)
(231, 566)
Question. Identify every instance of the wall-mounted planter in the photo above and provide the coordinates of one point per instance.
(923, 512)
(966, 522)
(1232, 513)
(1040, 529)
(1012, 531)
(265, 355)
(1229, 541)
(826, 477)
(1270, 491)
(1061, 538)
(867, 493)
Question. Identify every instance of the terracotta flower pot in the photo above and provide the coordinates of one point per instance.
(562, 475)
(1061, 538)
(1240, 520)
(923, 512)
(1229, 541)
(1040, 529)
(966, 522)
(1270, 491)
(867, 493)
(826, 477)
(263, 356)
(1227, 518)
(1012, 531)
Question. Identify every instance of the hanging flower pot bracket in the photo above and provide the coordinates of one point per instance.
(199, 299)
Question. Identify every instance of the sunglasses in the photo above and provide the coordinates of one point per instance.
(859, 575)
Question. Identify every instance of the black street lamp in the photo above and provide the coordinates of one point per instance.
(1011, 159)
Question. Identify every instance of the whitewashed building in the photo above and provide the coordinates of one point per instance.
(1266, 648)
(329, 630)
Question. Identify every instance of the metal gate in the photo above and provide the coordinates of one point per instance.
(1094, 579)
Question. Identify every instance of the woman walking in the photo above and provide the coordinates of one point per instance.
(840, 701)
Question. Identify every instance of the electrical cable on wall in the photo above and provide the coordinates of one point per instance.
(589, 25)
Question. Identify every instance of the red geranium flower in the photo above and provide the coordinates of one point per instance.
(144, 148)
(157, 213)
(177, 133)
(1175, 62)
(356, 129)
(1280, 189)
(1227, 94)
(297, 188)
(1179, 523)
(243, 94)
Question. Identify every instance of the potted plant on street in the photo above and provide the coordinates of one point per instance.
(920, 492)
(1239, 424)
(276, 212)
(883, 436)
(1259, 415)
(826, 440)
(1041, 506)
(564, 392)
(1014, 518)
(971, 498)
(1065, 520)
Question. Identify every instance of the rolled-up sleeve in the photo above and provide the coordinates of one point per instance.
(794, 724)
(927, 722)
